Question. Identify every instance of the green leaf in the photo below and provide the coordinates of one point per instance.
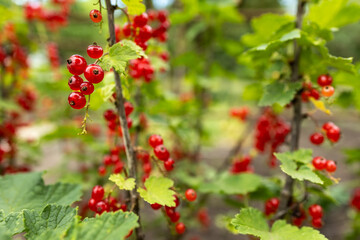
(232, 184)
(13, 222)
(157, 190)
(53, 217)
(121, 182)
(251, 221)
(119, 55)
(280, 93)
(4, 235)
(134, 7)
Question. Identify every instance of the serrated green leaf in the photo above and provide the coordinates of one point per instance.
(4, 235)
(119, 55)
(280, 93)
(53, 217)
(134, 7)
(13, 222)
(121, 182)
(158, 191)
(251, 221)
(232, 184)
(303, 155)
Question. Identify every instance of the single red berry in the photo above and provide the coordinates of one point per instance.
(177, 201)
(317, 138)
(330, 166)
(170, 211)
(76, 64)
(110, 115)
(107, 160)
(94, 73)
(328, 125)
(155, 140)
(180, 228)
(169, 164)
(119, 166)
(315, 94)
(145, 33)
(190, 195)
(75, 82)
(87, 88)
(129, 108)
(77, 100)
(328, 91)
(162, 15)
(95, 51)
(333, 134)
(101, 207)
(95, 15)
(324, 80)
(305, 95)
(102, 170)
(141, 20)
(127, 30)
(156, 206)
(92, 204)
(175, 217)
(147, 168)
(97, 193)
(316, 211)
(316, 222)
(161, 153)
(319, 163)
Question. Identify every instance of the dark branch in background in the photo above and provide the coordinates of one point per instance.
(130, 153)
(286, 196)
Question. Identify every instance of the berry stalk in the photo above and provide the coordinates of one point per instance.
(130, 153)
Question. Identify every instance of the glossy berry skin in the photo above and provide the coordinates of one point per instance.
(155, 140)
(271, 206)
(316, 211)
(87, 88)
(92, 204)
(162, 15)
(319, 163)
(180, 228)
(156, 206)
(316, 222)
(95, 15)
(161, 152)
(315, 94)
(75, 82)
(77, 100)
(333, 134)
(141, 20)
(101, 207)
(76, 64)
(97, 193)
(190, 195)
(94, 73)
(169, 165)
(317, 138)
(129, 108)
(328, 125)
(324, 80)
(95, 51)
(327, 91)
(330, 166)
(145, 33)
(175, 217)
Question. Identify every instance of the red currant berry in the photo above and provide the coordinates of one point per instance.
(95, 51)
(162, 15)
(327, 91)
(129, 108)
(107, 160)
(317, 138)
(177, 201)
(76, 64)
(102, 170)
(110, 115)
(330, 166)
(170, 211)
(315, 94)
(319, 163)
(324, 80)
(77, 100)
(127, 30)
(180, 228)
(169, 165)
(327, 126)
(92, 204)
(101, 207)
(155, 140)
(141, 20)
(175, 217)
(316, 211)
(119, 166)
(87, 88)
(145, 33)
(316, 222)
(97, 193)
(75, 82)
(305, 95)
(147, 168)
(94, 73)
(161, 152)
(156, 206)
(190, 195)
(95, 15)
(333, 134)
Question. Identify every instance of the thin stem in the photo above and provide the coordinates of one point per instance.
(130, 153)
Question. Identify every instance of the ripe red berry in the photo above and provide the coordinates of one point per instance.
(141, 20)
(76, 64)
(95, 51)
(145, 33)
(156, 206)
(161, 152)
(92, 204)
(305, 95)
(328, 125)
(315, 94)
(333, 134)
(177, 201)
(127, 30)
(162, 15)
(330, 166)
(95, 15)
(102, 170)
(94, 73)
(129, 108)
(271, 206)
(175, 217)
(87, 88)
(155, 140)
(327, 91)
(77, 100)
(101, 207)
(110, 115)
(97, 193)
(169, 165)
(147, 167)
(170, 211)
(180, 228)
(324, 80)
(319, 163)
(317, 138)
(75, 82)
(316, 211)
(190, 195)
(316, 222)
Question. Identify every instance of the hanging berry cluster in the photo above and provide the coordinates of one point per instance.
(330, 130)
(241, 165)
(271, 206)
(161, 152)
(320, 163)
(98, 203)
(316, 213)
(327, 90)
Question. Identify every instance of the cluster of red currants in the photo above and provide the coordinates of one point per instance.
(355, 200)
(324, 81)
(331, 131)
(299, 216)
(239, 112)
(26, 99)
(320, 163)
(271, 131)
(112, 160)
(161, 152)
(113, 122)
(141, 68)
(271, 206)
(316, 213)
(77, 65)
(240, 165)
(99, 204)
(52, 19)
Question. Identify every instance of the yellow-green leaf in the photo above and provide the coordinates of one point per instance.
(135, 7)
(121, 182)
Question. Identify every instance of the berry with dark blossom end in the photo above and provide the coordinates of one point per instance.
(328, 91)
(87, 88)
(101, 207)
(324, 80)
(76, 64)
(169, 164)
(161, 152)
(180, 228)
(141, 20)
(74, 82)
(97, 193)
(77, 100)
(316, 138)
(155, 140)
(94, 73)
(95, 15)
(190, 195)
(94, 51)
(319, 163)
(330, 166)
